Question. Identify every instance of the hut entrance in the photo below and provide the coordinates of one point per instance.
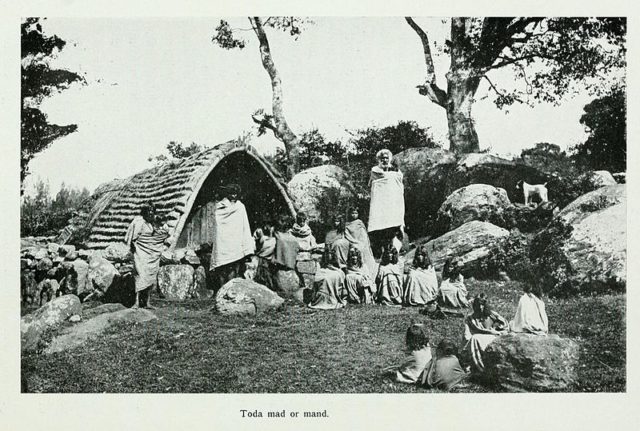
(259, 194)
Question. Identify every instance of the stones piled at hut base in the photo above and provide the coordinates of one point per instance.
(49, 270)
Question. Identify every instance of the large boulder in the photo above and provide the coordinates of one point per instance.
(176, 281)
(316, 187)
(50, 315)
(484, 168)
(101, 274)
(473, 202)
(242, 296)
(431, 175)
(585, 248)
(531, 363)
(595, 200)
(425, 177)
(468, 244)
(78, 334)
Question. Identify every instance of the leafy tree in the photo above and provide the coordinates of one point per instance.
(42, 215)
(39, 80)
(399, 137)
(275, 121)
(548, 158)
(177, 151)
(606, 121)
(564, 51)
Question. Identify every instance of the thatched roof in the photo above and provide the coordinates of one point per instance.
(172, 187)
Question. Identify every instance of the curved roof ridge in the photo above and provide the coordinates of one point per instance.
(173, 186)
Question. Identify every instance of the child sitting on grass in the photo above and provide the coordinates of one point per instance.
(418, 345)
(443, 372)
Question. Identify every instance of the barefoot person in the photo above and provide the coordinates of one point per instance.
(146, 242)
(386, 209)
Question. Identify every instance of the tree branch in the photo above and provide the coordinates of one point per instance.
(501, 94)
(430, 88)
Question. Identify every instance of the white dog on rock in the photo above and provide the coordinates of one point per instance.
(532, 191)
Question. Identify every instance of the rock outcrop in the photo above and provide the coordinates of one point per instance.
(467, 244)
(313, 187)
(472, 202)
(241, 296)
(50, 315)
(531, 363)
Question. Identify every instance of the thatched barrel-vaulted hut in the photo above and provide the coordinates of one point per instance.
(184, 193)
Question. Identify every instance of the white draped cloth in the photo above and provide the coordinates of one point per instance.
(531, 316)
(232, 238)
(386, 208)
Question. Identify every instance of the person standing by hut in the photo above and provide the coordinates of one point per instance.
(232, 239)
(386, 209)
(146, 240)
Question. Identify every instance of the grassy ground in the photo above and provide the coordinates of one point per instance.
(192, 349)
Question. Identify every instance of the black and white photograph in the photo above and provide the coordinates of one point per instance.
(412, 204)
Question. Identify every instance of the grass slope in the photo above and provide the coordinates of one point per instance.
(192, 349)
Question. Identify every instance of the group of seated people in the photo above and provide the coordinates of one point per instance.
(346, 280)
(447, 367)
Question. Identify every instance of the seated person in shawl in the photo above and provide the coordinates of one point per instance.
(389, 278)
(421, 283)
(336, 239)
(480, 328)
(359, 284)
(356, 233)
(531, 316)
(417, 341)
(453, 292)
(444, 371)
(146, 241)
(329, 288)
(232, 239)
(302, 233)
(386, 208)
(265, 250)
(286, 278)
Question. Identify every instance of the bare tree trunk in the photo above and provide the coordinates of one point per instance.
(461, 96)
(278, 124)
(462, 83)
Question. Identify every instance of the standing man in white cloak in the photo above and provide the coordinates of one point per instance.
(386, 210)
(232, 238)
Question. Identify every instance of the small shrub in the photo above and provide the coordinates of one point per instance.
(510, 256)
(552, 266)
